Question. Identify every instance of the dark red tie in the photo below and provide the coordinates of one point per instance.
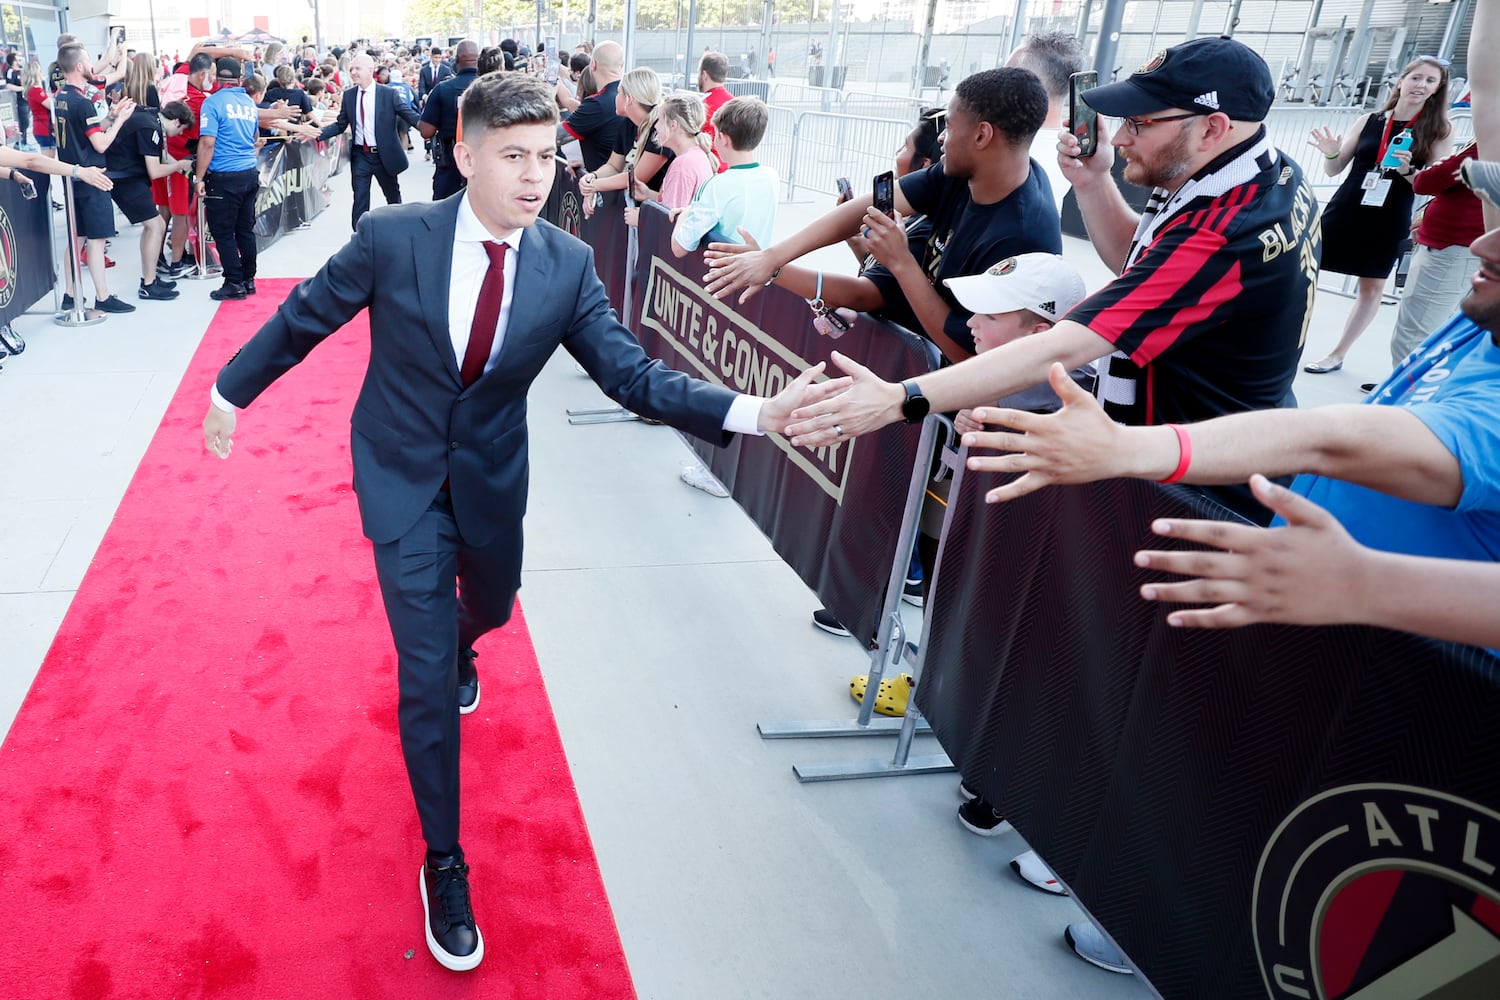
(486, 315)
(364, 129)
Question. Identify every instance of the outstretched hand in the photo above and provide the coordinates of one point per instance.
(218, 431)
(1308, 572)
(734, 267)
(1077, 444)
(867, 403)
(804, 390)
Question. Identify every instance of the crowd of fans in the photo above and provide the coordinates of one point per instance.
(1178, 369)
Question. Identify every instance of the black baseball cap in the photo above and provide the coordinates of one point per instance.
(227, 68)
(1204, 75)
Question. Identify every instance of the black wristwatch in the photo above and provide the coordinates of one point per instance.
(915, 407)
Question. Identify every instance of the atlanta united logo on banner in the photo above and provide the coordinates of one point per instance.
(1380, 892)
(570, 220)
(8, 262)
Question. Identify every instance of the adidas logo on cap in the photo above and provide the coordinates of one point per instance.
(1208, 100)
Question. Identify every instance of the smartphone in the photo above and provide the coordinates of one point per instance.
(1398, 144)
(1083, 119)
(885, 193)
(846, 190)
(120, 35)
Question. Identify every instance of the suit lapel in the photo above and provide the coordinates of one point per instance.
(534, 257)
(432, 253)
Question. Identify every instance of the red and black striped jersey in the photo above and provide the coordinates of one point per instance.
(1210, 313)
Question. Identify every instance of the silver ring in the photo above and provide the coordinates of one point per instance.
(838, 431)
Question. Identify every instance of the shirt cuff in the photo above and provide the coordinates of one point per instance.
(228, 407)
(744, 415)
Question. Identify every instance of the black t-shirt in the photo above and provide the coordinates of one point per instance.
(294, 98)
(74, 119)
(625, 142)
(441, 109)
(596, 127)
(137, 139)
(965, 238)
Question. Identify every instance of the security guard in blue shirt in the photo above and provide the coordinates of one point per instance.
(227, 177)
(440, 120)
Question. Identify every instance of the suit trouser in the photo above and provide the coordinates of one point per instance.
(362, 166)
(229, 210)
(430, 622)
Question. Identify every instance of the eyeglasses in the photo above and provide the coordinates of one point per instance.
(1436, 60)
(1136, 124)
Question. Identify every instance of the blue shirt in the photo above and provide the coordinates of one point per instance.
(233, 120)
(1452, 384)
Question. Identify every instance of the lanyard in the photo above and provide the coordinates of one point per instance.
(1385, 138)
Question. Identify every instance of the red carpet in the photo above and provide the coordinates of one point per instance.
(203, 794)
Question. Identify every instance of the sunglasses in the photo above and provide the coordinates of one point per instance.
(1436, 60)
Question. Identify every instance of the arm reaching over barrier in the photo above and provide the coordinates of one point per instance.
(1310, 572)
(1385, 448)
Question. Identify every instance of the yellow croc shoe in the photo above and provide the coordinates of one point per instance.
(892, 697)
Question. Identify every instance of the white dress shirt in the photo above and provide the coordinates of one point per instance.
(365, 136)
(470, 262)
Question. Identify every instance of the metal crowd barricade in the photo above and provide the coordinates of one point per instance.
(862, 105)
(827, 147)
(1289, 128)
(892, 649)
(77, 315)
(203, 246)
(776, 148)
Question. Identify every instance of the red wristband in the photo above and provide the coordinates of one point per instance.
(1185, 447)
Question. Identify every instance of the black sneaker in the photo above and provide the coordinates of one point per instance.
(229, 290)
(1367, 387)
(468, 682)
(157, 291)
(67, 303)
(966, 793)
(164, 282)
(114, 304)
(823, 619)
(911, 593)
(249, 286)
(452, 936)
(979, 817)
(175, 271)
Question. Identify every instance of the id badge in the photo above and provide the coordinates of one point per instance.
(1371, 179)
(1375, 197)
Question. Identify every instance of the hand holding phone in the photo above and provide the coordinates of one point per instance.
(885, 194)
(1082, 119)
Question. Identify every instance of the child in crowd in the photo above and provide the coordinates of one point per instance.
(742, 197)
(677, 125)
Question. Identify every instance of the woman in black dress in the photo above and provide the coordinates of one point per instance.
(1369, 217)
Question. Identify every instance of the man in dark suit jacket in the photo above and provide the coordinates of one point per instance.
(371, 110)
(439, 428)
(434, 73)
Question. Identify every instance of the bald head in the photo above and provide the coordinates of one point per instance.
(466, 54)
(609, 62)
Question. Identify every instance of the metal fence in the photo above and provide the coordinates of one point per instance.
(827, 147)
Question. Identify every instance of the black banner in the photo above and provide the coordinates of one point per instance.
(1263, 812)
(293, 185)
(25, 254)
(832, 514)
(604, 230)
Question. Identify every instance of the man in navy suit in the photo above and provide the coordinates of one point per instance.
(439, 428)
(370, 110)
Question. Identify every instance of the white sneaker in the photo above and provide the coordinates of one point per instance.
(698, 477)
(1031, 868)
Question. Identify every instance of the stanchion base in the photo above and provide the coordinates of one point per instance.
(835, 727)
(207, 273)
(91, 317)
(872, 768)
(610, 415)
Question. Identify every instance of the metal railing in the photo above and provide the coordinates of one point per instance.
(827, 147)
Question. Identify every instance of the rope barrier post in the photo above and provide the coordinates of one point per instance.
(77, 315)
(202, 269)
(902, 761)
(891, 644)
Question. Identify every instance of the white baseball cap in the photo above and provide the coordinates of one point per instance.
(1044, 283)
